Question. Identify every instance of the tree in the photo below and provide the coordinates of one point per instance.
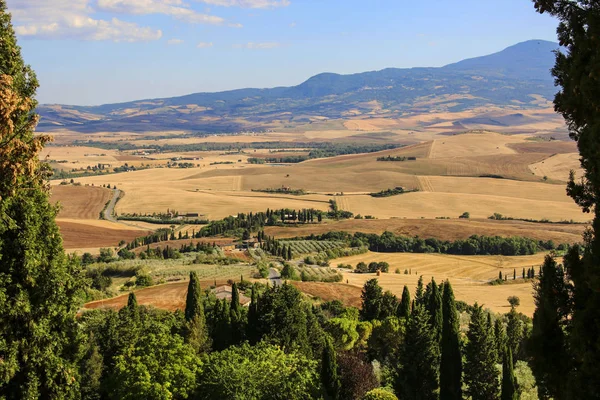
(417, 374)
(451, 360)
(379, 394)
(266, 372)
(329, 371)
(509, 383)
(514, 301)
(514, 332)
(371, 300)
(481, 375)
(196, 330)
(548, 344)
(389, 305)
(420, 292)
(435, 310)
(404, 307)
(356, 375)
(578, 100)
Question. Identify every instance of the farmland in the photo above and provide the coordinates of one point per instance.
(519, 173)
(470, 275)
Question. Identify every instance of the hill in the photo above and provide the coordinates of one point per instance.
(518, 77)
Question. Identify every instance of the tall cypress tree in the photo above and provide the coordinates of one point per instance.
(405, 303)
(329, 370)
(500, 339)
(372, 295)
(451, 360)
(551, 361)
(39, 285)
(420, 291)
(576, 72)
(481, 375)
(514, 332)
(417, 375)
(196, 329)
(132, 303)
(435, 309)
(509, 382)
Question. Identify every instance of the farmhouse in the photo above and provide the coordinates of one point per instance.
(225, 292)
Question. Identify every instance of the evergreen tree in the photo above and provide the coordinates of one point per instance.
(389, 305)
(132, 303)
(404, 308)
(39, 285)
(196, 330)
(548, 344)
(451, 360)
(417, 375)
(481, 375)
(289, 253)
(372, 295)
(329, 371)
(435, 310)
(499, 339)
(251, 329)
(514, 332)
(509, 382)
(420, 292)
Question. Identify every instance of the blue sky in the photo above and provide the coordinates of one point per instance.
(89, 52)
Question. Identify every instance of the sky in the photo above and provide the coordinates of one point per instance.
(91, 52)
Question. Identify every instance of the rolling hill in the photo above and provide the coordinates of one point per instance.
(518, 76)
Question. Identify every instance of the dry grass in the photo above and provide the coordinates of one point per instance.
(86, 234)
(468, 274)
(558, 167)
(451, 229)
(80, 202)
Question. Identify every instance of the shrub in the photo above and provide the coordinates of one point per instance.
(514, 301)
(380, 394)
(143, 280)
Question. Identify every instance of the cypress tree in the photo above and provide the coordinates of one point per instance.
(481, 375)
(196, 330)
(39, 285)
(500, 339)
(289, 253)
(451, 360)
(548, 344)
(235, 300)
(405, 303)
(132, 303)
(417, 374)
(329, 370)
(371, 296)
(514, 332)
(435, 310)
(193, 301)
(509, 382)
(420, 292)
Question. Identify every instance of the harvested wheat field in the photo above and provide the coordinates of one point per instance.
(87, 233)
(347, 294)
(170, 296)
(80, 202)
(558, 167)
(442, 229)
(469, 275)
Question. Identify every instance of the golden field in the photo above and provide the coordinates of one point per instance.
(469, 276)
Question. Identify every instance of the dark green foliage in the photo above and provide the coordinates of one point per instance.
(451, 358)
(509, 382)
(420, 293)
(404, 307)
(434, 308)
(481, 375)
(576, 72)
(514, 332)
(372, 295)
(196, 332)
(329, 371)
(500, 340)
(417, 374)
(389, 305)
(548, 344)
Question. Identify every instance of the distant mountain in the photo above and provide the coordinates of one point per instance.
(517, 76)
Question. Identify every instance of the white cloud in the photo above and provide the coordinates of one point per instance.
(248, 3)
(70, 19)
(204, 45)
(174, 42)
(258, 46)
(174, 8)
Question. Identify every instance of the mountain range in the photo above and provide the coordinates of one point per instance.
(518, 76)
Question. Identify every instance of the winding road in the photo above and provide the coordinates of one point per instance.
(109, 211)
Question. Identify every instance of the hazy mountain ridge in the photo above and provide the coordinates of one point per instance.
(509, 77)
